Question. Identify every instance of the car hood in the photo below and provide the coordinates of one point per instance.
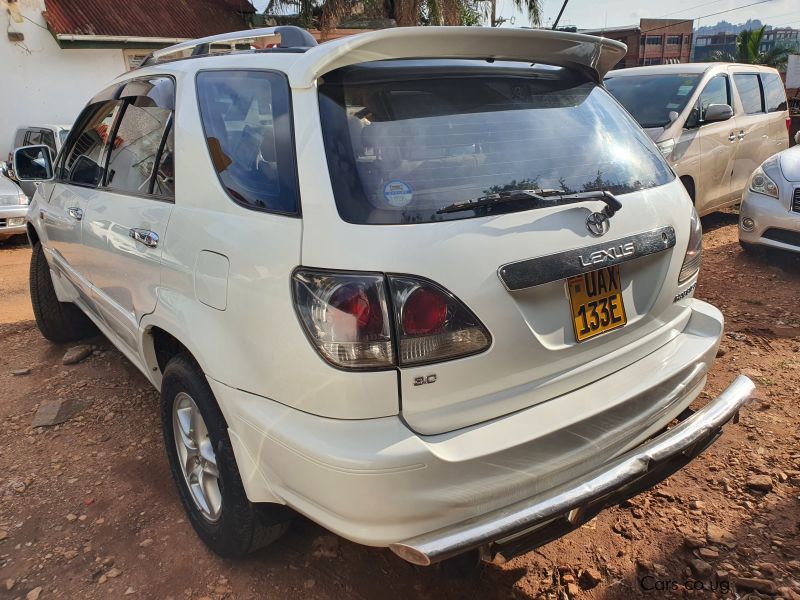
(790, 164)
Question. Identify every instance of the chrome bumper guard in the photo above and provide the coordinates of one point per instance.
(522, 526)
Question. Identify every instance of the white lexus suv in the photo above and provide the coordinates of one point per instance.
(430, 287)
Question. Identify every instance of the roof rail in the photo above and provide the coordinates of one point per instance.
(290, 37)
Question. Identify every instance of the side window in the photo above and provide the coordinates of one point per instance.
(247, 124)
(717, 91)
(774, 92)
(84, 159)
(147, 109)
(749, 90)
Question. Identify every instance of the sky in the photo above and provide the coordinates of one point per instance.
(593, 14)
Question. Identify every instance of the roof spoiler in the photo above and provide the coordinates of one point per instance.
(596, 55)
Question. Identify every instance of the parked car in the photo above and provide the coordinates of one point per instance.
(432, 304)
(714, 122)
(52, 136)
(770, 213)
(13, 209)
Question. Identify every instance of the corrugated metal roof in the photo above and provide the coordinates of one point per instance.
(147, 18)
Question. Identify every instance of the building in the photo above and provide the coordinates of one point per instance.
(56, 54)
(652, 41)
(706, 46)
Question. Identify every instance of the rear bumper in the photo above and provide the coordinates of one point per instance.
(378, 483)
(578, 500)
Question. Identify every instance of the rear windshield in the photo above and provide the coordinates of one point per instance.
(651, 98)
(404, 140)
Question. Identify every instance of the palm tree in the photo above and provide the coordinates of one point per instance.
(748, 51)
(327, 14)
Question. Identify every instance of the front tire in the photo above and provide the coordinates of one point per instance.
(58, 321)
(204, 467)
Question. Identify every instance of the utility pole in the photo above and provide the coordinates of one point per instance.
(561, 12)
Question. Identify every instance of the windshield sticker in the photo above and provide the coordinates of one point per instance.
(684, 90)
(398, 193)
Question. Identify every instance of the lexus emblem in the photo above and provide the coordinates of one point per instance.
(598, 224)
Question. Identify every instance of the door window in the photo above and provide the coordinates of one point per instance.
(37, 137)
(717, 91)
(774, 92)
(142, 136)
(749, 92)
(247, 124)
(85, 156)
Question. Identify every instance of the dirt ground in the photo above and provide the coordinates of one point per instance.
(88, 509)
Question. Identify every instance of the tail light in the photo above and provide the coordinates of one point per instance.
(694, 250)
(346, 317)
(789, 124)
(353, 324)
(432, 324)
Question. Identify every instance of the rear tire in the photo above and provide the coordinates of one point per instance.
(58, 321)
(210, 487)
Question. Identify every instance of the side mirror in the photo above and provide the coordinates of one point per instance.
(33, 163)
(718, 112)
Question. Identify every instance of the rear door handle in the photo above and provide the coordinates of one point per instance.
(145, 236)
(75, 212)
(741, 134)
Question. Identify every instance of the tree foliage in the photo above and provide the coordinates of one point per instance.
(327, 14)
(748, 51)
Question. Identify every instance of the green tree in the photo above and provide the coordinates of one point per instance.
(327, 14)
(748, 51)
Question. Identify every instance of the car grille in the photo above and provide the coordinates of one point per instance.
(796, 200)
(2, 222)
(782, 235)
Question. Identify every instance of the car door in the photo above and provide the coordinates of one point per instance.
(79, 170)
(752, 129)
(126, 222)
(716, 146)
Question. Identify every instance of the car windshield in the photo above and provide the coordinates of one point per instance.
(651, 98)
(405, 139)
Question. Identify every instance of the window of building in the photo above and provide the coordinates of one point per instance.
(749, 90)
(674, 40)
(654, 40)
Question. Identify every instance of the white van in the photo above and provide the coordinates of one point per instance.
(714, 122)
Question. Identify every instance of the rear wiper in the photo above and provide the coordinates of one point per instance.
(547, 196)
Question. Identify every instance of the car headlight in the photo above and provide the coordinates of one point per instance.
(760, 183)
(22, 198)
(694, 249)
(666, 147)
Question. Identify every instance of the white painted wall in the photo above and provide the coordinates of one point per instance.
(40, 82)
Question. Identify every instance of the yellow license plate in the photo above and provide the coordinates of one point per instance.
(596, 300)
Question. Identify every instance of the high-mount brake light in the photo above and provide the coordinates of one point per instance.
(347, 317)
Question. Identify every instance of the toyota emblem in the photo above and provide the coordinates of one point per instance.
(598, 224)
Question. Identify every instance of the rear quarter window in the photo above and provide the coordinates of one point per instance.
(774, 92)
(247, 124)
